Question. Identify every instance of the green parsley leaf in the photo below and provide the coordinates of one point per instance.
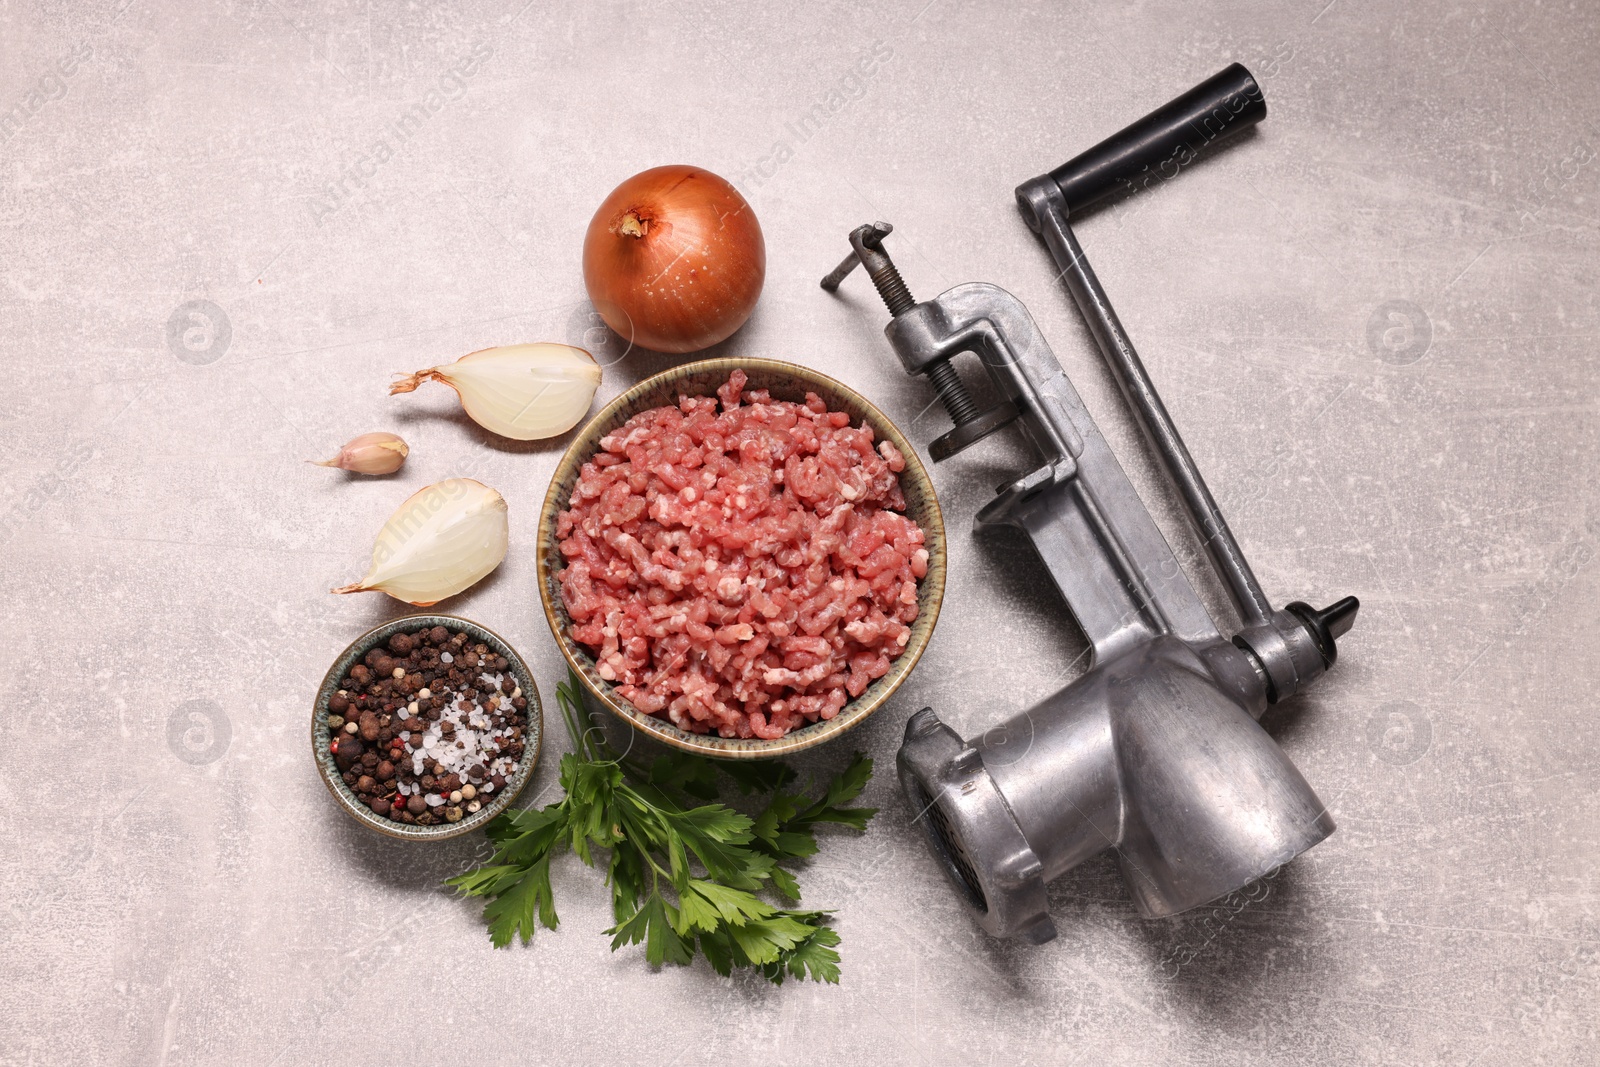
(684, 869)
(843, 789)
(706, 905)
(654, 924)
(785, 883)
(717, 947)
(786, 828)
(512, 910)
(815, 956)
(766, 940)
(686, 771)
(758, 776)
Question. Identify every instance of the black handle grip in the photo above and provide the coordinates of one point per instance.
(1165, 141)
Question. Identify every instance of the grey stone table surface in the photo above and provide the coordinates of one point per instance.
(1374, 319)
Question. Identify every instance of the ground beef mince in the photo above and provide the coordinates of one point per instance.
(741, 565)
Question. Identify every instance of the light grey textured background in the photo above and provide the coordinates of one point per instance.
(1374, 320)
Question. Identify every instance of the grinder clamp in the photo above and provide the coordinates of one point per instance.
(1155, 751)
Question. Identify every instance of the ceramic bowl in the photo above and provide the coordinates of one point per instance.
(498, 802)
(786, 381)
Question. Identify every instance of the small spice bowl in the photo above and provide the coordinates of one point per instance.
(501, 799)
(785, 381)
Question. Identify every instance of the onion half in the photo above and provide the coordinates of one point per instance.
(443, 539)
(524, 392)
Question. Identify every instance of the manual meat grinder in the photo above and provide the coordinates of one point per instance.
(1155, 751)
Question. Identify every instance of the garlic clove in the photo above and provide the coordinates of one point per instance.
(524, 392)
(442, 540)
(371, 453)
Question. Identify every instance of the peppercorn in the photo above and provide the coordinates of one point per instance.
(405, 687)
(348, 751)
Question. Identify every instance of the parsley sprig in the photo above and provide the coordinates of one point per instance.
(684, 868)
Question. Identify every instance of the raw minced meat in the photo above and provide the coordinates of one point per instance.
(741, 565)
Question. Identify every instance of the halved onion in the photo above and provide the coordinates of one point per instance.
(443, 539)
(524, 392)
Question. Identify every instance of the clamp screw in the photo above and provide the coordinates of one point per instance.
(867, 250)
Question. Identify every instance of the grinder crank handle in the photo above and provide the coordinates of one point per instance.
(1161, 144)
(1290, 646)
(1163, 141)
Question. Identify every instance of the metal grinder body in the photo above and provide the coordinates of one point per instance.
(1155, 751)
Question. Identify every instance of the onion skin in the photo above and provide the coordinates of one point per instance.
(674, 259)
